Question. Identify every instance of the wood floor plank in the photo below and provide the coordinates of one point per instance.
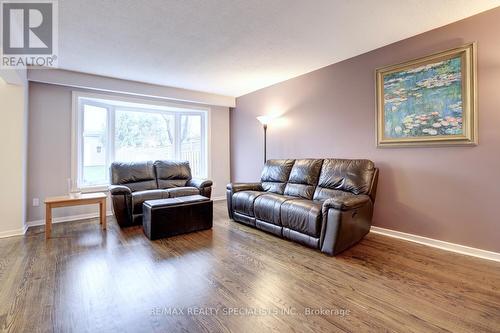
(84, 279)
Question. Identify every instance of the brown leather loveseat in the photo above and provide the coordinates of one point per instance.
(135, 182)
(325, 204)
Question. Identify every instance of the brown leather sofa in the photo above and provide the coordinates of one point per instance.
(133, 183)
(325, 204)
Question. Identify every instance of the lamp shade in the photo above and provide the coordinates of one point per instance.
(264, 120)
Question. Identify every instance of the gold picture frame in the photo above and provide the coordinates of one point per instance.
(430, 101)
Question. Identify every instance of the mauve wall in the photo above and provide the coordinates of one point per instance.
(450, 194)
(49, 147)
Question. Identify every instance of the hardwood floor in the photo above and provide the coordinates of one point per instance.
(87, 280)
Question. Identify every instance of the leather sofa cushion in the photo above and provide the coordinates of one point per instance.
(182, 191)
(243, 201)
(172, 173)
(300, 190)
(267, 207)
(303, 216)
(142, 186)
(139, 197)
(305, 172)
(171, 183)
(353, 176)
(323, 193)
(275, 175)
(274, 187)
(303, 178)
(138, 176)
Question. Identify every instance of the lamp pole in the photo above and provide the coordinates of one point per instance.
(265, 143)
(264, 120)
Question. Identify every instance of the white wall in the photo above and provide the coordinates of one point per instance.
(13, 109)
(49, 147)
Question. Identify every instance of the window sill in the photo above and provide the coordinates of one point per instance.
(92, 189)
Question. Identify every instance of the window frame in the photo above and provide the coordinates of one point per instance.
(111, 103)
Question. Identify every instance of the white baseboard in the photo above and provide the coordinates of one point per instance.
(219, 198)
(68, 218)
(470, 251)
(15, 232)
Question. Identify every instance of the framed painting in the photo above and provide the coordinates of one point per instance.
(429, 101)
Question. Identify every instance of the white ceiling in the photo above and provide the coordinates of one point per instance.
(233, 47)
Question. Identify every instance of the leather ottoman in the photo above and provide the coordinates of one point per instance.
(174, 216)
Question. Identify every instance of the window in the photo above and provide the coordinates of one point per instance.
(107, 130)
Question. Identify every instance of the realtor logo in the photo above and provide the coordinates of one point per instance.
(29, 33)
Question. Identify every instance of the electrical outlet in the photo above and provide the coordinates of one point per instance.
(36, 202)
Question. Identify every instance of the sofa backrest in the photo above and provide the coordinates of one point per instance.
(138, 176)
(275, 175)
(354, 176)
(303, 178)
(172, 173)
(319, 179)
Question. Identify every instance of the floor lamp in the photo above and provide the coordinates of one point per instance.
(264, 120)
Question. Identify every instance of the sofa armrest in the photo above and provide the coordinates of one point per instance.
(203, 185)
(199, 183)
(119, 189)
(121, 198)
(346, 203)
(232, 188)
(346, 220)
(237, 187)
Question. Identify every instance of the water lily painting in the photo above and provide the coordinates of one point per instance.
(429, 101)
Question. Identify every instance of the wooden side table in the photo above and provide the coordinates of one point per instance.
(65, 201)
